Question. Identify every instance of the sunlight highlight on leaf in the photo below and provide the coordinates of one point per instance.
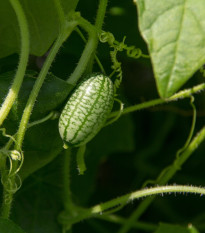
(175, 34)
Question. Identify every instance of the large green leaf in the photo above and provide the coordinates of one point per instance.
(175, 33)
(169, 228)
(7, 226)
(42, 21)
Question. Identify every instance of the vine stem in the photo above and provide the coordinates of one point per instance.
(98, 24)
(164, 177)
(14, 90)
(99, 209)
(96, 58)
(80, 68)
(64, 32)
(147, 192)
(180, 95)
(39, 82)
(89, 50)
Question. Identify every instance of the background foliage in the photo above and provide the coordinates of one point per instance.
(134, 149)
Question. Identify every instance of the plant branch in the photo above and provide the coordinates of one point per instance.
(98, 24)
(40, 80)
(65, 32)
(92, 42)
(96, 58)
(24, 54)
(102, 208)
(180, 95)
(87, 52)
(164, 177)
(181, 189)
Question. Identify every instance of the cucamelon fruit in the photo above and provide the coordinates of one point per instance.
(86, 110)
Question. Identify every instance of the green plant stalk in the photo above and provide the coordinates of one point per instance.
(99, 209)
(90, 47)
(98, 24)
(14, 90)
(164, 178)
(30, 103)
(87, 52)
(80, 68)
(180, 95)
(96, 58)
(39, 82)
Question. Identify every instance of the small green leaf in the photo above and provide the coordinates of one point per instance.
(175, 34)
(8, 226)
(170, 228)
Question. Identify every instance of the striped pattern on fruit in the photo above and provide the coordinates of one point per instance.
(87, 110)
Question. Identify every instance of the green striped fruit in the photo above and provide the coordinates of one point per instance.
(87, 110)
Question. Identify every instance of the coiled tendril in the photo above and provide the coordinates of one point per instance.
(9, 178)
(131, 51)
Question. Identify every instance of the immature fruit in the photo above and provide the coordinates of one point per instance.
(87, 110)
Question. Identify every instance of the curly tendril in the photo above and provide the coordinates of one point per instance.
(13, 155)
(9, 185)
(131, 51)
(7, 135)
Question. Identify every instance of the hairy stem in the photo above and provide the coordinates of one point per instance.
(96, 58)
(65, 31)
(98, 24)
(180, 95)
(147, 192)
(89, 50)
(39, 82)
(102, 208)
(165, 177)
(24, 54)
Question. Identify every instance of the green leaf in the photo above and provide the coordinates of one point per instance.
(169, 228)
(175, 34)
(52, 94)
(42, 21)
(38, 202)
(8, 226)
(42, 142)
